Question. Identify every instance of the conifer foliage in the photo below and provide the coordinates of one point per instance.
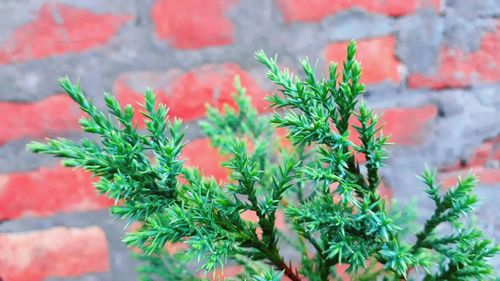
(331, 204)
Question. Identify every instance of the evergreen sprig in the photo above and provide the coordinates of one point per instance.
(331, 202)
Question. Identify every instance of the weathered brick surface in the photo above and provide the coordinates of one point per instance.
(315, 10)
(55, 252)
(484, 162)
(193, 24)
(458, 68)
(377, 57)
(200, 154)
(37, 119)
(47, 191)
(59, 29)
(431, 69)
(408, 125)
(186, 93)
(405, 126)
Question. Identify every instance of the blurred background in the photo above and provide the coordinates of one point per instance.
(432, 69)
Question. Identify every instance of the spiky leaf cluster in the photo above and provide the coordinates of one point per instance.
(334, 212)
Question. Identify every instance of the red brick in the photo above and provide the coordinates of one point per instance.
(193, 24)
(55, 252)
(489, 176)
(385, 191)
(488, 151)
(341, 270)
(47, 191)
(51, 116)
(457, 68)
(496, 156)
(200, 154)
(484, 162)
(485, 175)
(281, 222)
(407, 126)
(484, 153)
(377, 57)
(186, 93)
(316, 10)
(60, 29)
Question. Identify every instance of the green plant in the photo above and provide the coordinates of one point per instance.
(330, 201)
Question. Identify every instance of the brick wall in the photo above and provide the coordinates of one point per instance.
(432, 68)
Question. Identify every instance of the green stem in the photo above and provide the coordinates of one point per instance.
(429, 226)
(277, 260)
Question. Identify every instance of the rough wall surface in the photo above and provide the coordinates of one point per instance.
(432, 68)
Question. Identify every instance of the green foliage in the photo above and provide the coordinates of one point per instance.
(164, 266)
(330, 200)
